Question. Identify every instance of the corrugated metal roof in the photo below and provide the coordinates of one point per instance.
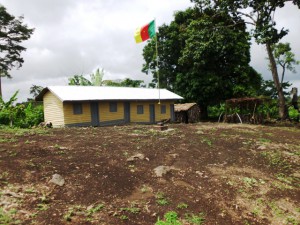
(86, 93)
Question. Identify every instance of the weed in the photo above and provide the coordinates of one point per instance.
(132, 209)
(145, 189)
(160, 199)
(171, 218)
(7, 140)
(250, 182)
(4, 175)
(292, 220)
(207, 141)
(95, 209)
(195, 219)
(42, 206)
(69, 214)
(7, 217)
(276, 210)
(124, 217)
(275, 159)
(264, 140)
(182, 206)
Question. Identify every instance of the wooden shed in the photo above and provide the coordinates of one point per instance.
(187, 113)
(102, 106)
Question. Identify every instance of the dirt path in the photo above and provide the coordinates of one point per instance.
(218, 173)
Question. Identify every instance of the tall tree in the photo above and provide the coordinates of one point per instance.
(79, 80)
(284, 58)
(203, 56)
(259, 14)
(12, 33)
(97, 77)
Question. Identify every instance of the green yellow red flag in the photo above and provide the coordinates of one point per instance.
(145, 32)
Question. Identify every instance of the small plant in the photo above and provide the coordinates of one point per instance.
(264, 140)
(145, 189)
(95, 209)
(132, 209)
(7, 217)
(171, 218)
(182, 206)
(250, 182)
(195, 219)
(124, 217)
(69, 214)
(207, 141)
(160, 199)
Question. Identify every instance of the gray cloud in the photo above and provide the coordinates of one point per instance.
(77, 37)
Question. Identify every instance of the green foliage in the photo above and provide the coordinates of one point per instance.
(125, 83)
(97, 77)
(204, 56)
(268, 89)
(79, 80)
(293, 114)
(284, 58)
(12, 33)
(195, 219)
(216, 110)
(35, 90)
(171, 218)
(20, 115)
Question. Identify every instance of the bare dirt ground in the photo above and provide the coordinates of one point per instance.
(218, 174)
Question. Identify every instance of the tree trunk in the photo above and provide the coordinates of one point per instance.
(283, 114)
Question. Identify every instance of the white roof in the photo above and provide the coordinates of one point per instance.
(86, 93)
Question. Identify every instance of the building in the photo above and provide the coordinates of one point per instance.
(102, 106)
(187, 113)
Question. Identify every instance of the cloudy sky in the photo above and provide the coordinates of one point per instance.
(78, 36)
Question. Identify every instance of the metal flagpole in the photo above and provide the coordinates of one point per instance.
(157, 71)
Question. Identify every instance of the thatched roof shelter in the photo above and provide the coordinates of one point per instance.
(187, 112)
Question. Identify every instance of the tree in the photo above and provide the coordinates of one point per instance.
(203, 56)
(284, 58)
(8, 109)
(268, 89)
(79, 80)
(97, 77)
(127, 82)
(259, 14)
(35, 90)
(12, 33)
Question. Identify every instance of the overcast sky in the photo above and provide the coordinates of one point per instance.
(78, 36)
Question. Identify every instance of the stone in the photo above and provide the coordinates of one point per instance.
(162, 170)
(137, 156)
(57, 179)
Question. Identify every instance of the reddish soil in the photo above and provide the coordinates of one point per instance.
(224, 174)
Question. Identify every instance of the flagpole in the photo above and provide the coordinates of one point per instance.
(157, 71)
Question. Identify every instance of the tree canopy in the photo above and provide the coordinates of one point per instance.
(204, 56)
(259, 14)
(12, 32)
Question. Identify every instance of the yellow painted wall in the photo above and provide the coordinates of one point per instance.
(134, 117)
(106, 115)
(53, 110)
(71, 118)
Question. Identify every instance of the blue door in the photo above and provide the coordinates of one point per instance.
(127, 112)
(94, 114)
(152, 113)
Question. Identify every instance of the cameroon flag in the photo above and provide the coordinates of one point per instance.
(145, 32)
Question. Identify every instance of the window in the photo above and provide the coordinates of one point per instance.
(113, 107)
(163, 109)
(140, 109)
(77, 108)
